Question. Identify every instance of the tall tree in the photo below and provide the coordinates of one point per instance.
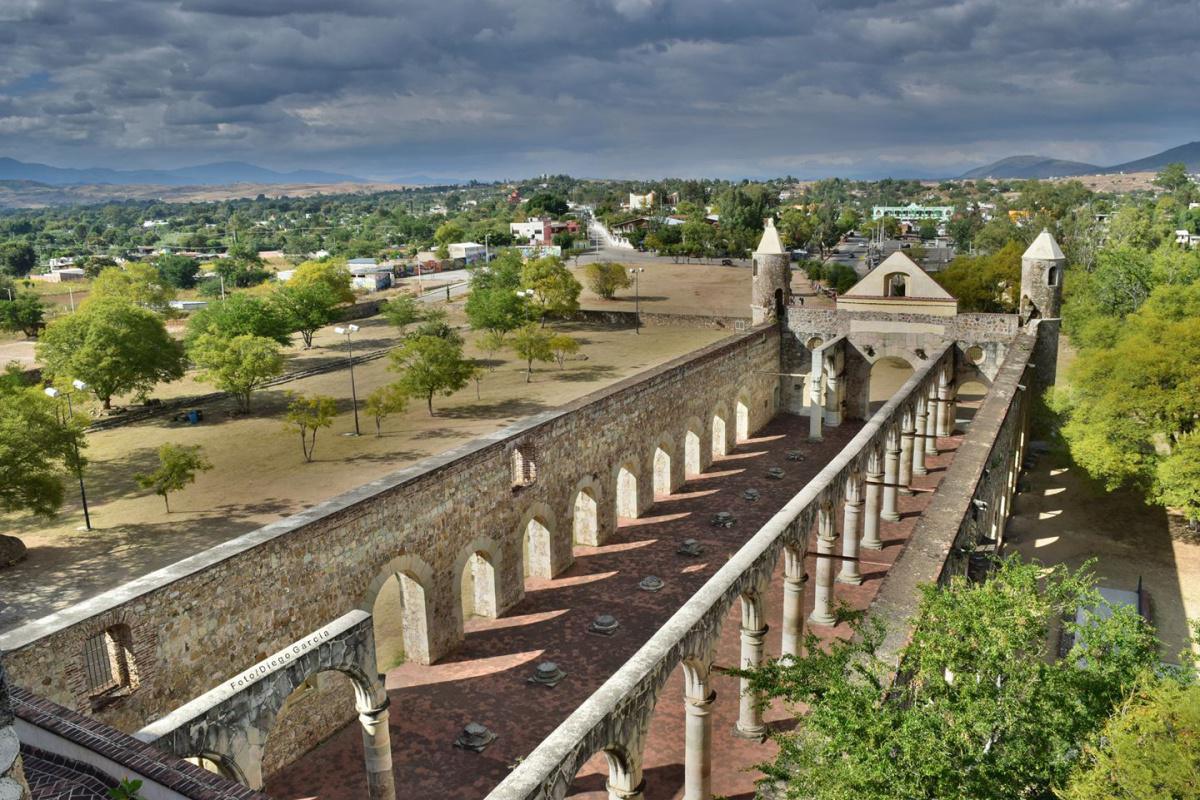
(25, 312)
(136, 282)
(307, 414)
(17, 259)
(606, 277)
(982, 714)
(383, 402)
(532, 343)
(555, 290)
(113, 346)
(332, 274)
(305, 307)
(402, 311)
(238, 365)
(240, 314)
(430, 365)
(36, 449)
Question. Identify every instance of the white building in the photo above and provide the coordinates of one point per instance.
(1187, 238)
(913, 212)
(526, 231)
(154, 223)
(470, 252)
(640, 201)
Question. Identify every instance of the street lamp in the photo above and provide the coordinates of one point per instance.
(346, 331)
(55, 394)
(637, 299)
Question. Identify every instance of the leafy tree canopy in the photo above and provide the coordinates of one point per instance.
(986, 283)
(240, 314)
(430, 365)
(36, 449)
(238, 364)
(136, 282)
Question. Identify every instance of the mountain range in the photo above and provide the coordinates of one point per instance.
(1043, 167)
(216, 174)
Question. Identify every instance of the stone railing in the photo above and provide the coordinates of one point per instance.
(615, 718)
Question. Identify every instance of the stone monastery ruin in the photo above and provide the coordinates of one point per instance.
(245, 657)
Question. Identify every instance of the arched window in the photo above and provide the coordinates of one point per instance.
(108, 663)
(1052, 276)
(895, 284)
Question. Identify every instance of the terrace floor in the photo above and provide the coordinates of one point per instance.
(486, 679)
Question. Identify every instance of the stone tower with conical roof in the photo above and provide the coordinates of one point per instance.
(1042, 268)
(772, 277)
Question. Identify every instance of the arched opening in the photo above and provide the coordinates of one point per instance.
(478, 586)
(968, 399)
(888, 374)
(691, 453)
(219, 765)
(108, 663)
(401, 622)
(779, 305)
(743, 419)
(537, 549)
(585, 526)
(627, 492)
(1052, 276)
(289, 738)
(895, 284)
(662, 472)
(720, 444)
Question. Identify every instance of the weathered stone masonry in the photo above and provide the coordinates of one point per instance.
(197, 622)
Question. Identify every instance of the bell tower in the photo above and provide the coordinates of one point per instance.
(1042, 268)
(771, 281)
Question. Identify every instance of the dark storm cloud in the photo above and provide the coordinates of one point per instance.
(493, 88)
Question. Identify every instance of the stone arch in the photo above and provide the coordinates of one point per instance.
(625, 478)
(693, 459)
(479, 578)
(398, 601)
(888, 373)
(1053, 276)
(721, 430)
(537, 542)
(585, 512)
(895, 284)
(219, 764)
(742, 414)
(665, 466)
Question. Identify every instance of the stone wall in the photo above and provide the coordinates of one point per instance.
(626, 319)
(208, 617)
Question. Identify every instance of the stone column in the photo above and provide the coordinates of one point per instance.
(833, 390)
(849, 572)
(904, 474)
(931, 430)
(754, 631)
(919, 424)
(944, 420)
(870, 538)
(952, 411)
(793, 602)
(377, 752)
(697, 756)
(625, 774)
(822, 613)
(891, 472)
(816, 399)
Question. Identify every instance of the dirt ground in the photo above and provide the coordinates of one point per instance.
(708, 289)
(259, 473)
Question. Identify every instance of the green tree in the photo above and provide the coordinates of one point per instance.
(490, 343)
(240, 314)
(1148, 750)
(177, 271)
(448, 233)
(928, 230)
(555, 290)
(430, 365)
(1133, 400)
(532, 343)
(137, 282)
(36, 449)
(177, 467)
(307, 414)
(25, 312)
(493, 303)
(1173, 176)
(546, 203)
(113, 346)
(563, 347)
(402, 311)
(797, 227)
(238, 365)
(840, 277)
(331, 274)
(889, 225)
(985, 283)
(17, 259)
(606, 277)
(982, 713)
(383, 402)
(306, 307)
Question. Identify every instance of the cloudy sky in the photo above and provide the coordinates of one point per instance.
(510, 88)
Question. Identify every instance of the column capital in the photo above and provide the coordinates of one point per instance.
(699, 707)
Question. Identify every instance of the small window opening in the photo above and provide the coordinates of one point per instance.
(1052, 276)
(895, 285)
(524, 465)
(108, 662)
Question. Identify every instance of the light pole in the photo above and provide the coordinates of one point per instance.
(637, 299)
(346, 331)
(55, 393)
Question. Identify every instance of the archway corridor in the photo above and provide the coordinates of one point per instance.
(485, 680)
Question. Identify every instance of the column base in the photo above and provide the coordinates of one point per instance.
(921, 471)
(627, 794)
(816, 438)
(893, 517)
(758, 734)
(876, 545)
(906, 492)
(821, 619)
(855, 580)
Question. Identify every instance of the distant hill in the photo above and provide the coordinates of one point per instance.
(1031, 167)
(218, 174)
(1042, 167)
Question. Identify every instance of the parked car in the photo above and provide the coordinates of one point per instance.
(726, 262)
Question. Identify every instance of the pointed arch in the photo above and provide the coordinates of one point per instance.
(537, 532)
(693, 462)
(585, 512)
(479, 578)
(626, 480)
(665, 466)
(742, 412)
(721, 430)
(398, 602)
